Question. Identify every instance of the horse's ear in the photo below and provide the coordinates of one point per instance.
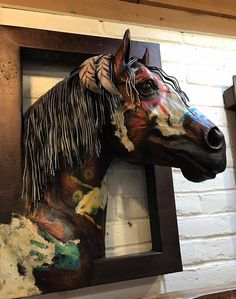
(146, 58)
(122, 55)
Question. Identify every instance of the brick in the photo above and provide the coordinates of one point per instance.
(208, 225)
(195, 252)
(188, 204)
(210, 41)
(171, 52)
(206, 276)
(204, 95)
(218, 202)
(127, 232)
(210, 75)
(122, 168)
(176, 70)
(143, 33)
(128, 185)
(222, 248)
(123, 250)
(218, 115)
(223, 181)
(192, 252)
(209, 56)
(131, 208)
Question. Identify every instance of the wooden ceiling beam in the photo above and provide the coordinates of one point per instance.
(226, 8)
(132, 13)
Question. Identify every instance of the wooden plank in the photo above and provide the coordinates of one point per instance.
(114, 10)
(213, 7)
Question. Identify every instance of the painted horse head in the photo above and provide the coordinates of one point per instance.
(162, 128)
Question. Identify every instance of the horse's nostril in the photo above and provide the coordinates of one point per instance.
(214, 138)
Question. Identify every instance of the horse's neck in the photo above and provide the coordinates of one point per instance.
(74, 206)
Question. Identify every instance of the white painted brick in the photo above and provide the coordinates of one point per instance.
(209, 225)
(210, 41)
(229, 133)
(207, 276)
(188, 204)
(210, 75)
(204, 95)
(218, 115)
(206, 250)
(218, 202)
(122, 168)
(128, 185)
(192, 252)
(220, 248)
(131, 208)
(136, 248)
(171, 52)
(127, 232)
(177, 70)
(225, 180)
(209, 56)
(141, 32)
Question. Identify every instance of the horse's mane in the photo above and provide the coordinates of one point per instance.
(63, 127)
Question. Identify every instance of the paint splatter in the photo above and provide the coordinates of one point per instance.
(92, 201)
(24, 248)
(121, 131)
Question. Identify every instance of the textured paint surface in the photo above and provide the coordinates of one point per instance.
(166, 105)
(21, 244)
(23, 248)
(94, 200)
(121, 130)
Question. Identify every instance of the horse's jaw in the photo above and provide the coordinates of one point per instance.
(196, 162)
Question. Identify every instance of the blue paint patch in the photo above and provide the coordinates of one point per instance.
(196, 117)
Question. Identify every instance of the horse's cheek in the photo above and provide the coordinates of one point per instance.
(136, 120)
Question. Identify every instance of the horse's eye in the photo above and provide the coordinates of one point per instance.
(147, 88)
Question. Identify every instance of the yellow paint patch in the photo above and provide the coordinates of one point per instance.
(93, 200)
(15, 248)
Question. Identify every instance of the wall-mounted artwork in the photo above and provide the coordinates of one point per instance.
(111, 106)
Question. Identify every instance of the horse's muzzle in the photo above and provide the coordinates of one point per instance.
(214, 138)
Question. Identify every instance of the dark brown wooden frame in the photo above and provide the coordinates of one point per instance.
(229, 96)
(165, 255)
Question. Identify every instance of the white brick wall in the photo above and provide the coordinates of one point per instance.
(206, 211)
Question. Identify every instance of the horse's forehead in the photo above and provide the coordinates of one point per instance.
(141, 72)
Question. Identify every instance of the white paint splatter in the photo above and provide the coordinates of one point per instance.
(118, 121)
(16, 248)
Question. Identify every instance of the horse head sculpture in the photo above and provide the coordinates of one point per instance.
(109, 107)
(161, 126)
